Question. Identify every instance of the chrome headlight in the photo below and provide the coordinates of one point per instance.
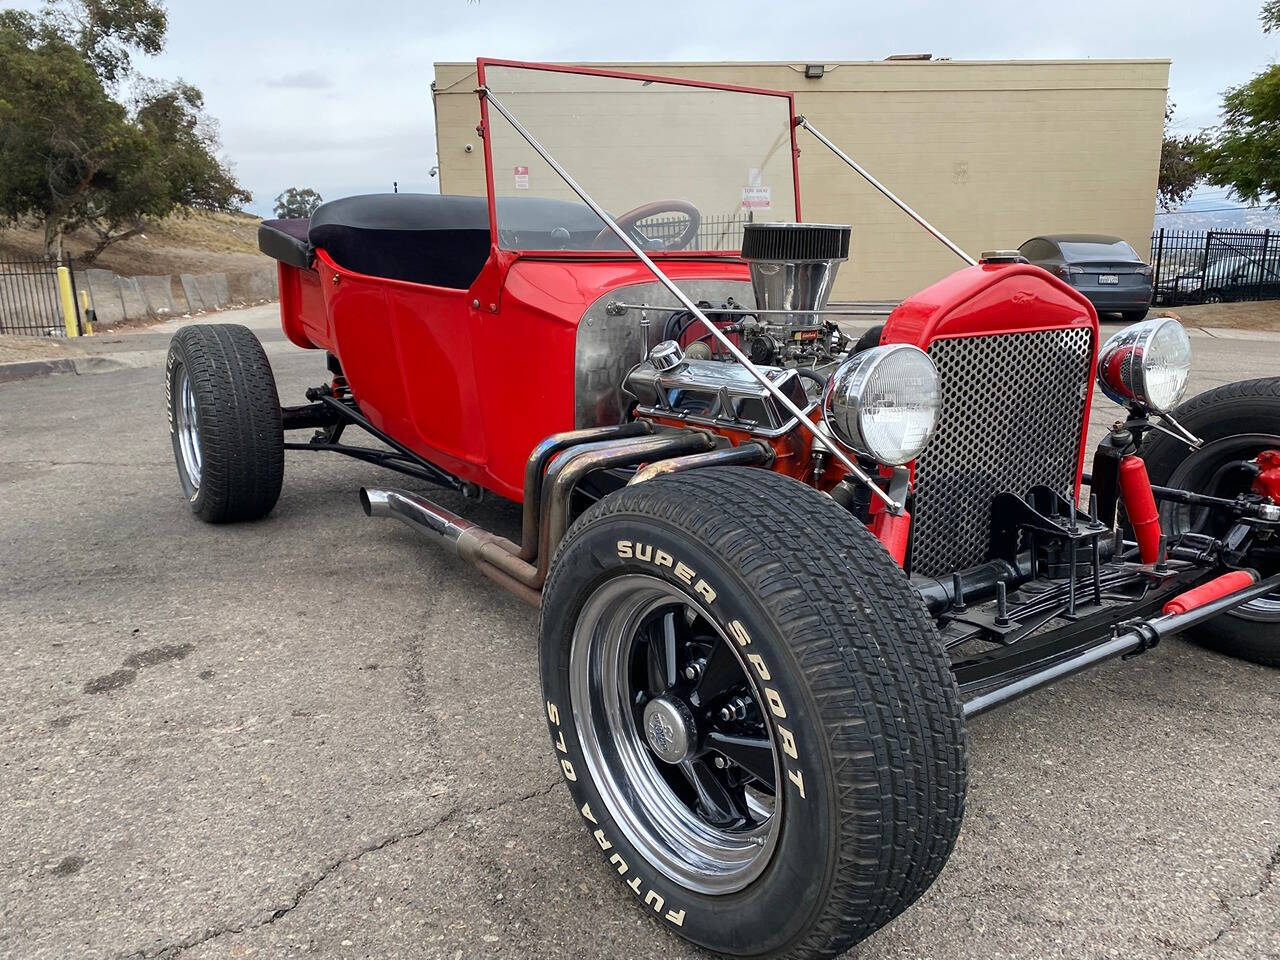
(884, 402)
(1147, 364)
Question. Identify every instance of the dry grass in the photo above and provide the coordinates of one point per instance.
(1263, 315)
(198, 243)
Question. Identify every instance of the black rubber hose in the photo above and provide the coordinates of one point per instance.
(813, 375)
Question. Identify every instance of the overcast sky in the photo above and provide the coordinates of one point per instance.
(336, 95)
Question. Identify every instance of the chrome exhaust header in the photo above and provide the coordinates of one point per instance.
(560, 463)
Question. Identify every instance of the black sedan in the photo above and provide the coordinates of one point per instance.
(1105, 269)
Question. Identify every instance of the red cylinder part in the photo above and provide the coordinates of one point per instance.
(893, 530)
(1215, 589)
(1140, 505)
(1267, 482)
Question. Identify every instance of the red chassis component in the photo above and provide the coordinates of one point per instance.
(1215, 589)
(1140, 505)
(1267, 482)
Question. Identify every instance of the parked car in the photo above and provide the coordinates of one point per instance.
(1224, 279)
(1105, 269)
(767, 611)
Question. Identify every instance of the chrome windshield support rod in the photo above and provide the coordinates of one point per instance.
(617, 307)
(861, 171)
(891, 504)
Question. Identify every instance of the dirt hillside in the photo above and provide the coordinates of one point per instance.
(198, 243)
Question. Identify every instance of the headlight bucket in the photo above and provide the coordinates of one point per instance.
(1147, 364)
(884, 402)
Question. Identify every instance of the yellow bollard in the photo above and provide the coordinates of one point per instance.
(70, 319)
(84, 312)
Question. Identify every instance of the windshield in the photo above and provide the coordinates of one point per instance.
(681, 167)
(1119, 250)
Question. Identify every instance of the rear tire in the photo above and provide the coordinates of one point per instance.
(1235, 421)
(1134, 316)
(224, 422)
(828, 661)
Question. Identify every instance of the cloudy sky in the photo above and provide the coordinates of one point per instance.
(336, 95)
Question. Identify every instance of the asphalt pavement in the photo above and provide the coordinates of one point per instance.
(318, 735)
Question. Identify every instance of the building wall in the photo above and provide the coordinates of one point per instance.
(991, 152)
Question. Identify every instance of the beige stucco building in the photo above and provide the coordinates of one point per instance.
(992, 152)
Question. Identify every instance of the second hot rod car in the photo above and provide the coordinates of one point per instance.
(778, 565)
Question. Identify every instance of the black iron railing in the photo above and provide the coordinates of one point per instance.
(29, 299)
(1215, 266)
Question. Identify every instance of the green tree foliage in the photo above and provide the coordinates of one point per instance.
(1178, 171)
(297, 202)
(1243, 151)
(73, 155)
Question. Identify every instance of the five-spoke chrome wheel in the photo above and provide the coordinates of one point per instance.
(675, 735)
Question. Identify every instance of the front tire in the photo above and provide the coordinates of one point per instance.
(753, 712)
(1236, 422)
(224, 422)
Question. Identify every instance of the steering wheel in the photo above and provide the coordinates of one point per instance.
(645, 211)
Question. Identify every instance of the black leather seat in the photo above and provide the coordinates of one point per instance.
(419, 237)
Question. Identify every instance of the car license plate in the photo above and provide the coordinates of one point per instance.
(1108, 278)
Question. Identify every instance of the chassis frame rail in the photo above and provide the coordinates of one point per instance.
(1129, 638)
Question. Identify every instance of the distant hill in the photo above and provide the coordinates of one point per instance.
(198, 243)
(1217, 218)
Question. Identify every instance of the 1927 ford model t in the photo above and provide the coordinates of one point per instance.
(777, 567)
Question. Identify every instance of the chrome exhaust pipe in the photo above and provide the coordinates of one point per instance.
(490, 554)
(429, 519)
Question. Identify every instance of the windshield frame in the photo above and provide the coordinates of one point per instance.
(483, 62)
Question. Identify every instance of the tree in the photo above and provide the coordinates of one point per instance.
(74, 156)
(1178, 171)
(1243, 151)
(297, 202)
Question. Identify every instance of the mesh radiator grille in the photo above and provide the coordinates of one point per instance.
(1012, 415)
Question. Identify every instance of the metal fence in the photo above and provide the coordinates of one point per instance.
(714, 233)
(29, 300)
(1215, 266)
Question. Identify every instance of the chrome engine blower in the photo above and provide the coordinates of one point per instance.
(793, 269)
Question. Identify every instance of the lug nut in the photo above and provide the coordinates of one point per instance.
(735, 709)
(720, 763)
(693, 671)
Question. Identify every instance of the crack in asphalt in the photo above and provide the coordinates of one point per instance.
(1233, 912)
(169, 951)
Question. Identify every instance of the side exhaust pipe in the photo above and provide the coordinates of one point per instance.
(500, 559)
(467, 540)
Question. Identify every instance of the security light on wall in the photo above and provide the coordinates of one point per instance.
(814, 71)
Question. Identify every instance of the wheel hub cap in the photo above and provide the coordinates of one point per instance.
(668, 729)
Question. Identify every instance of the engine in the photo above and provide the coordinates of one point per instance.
(793, 269)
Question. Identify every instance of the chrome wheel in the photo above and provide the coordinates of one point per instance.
(673, 730)
(187, 415)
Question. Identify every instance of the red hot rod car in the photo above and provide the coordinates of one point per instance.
(778, 567)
